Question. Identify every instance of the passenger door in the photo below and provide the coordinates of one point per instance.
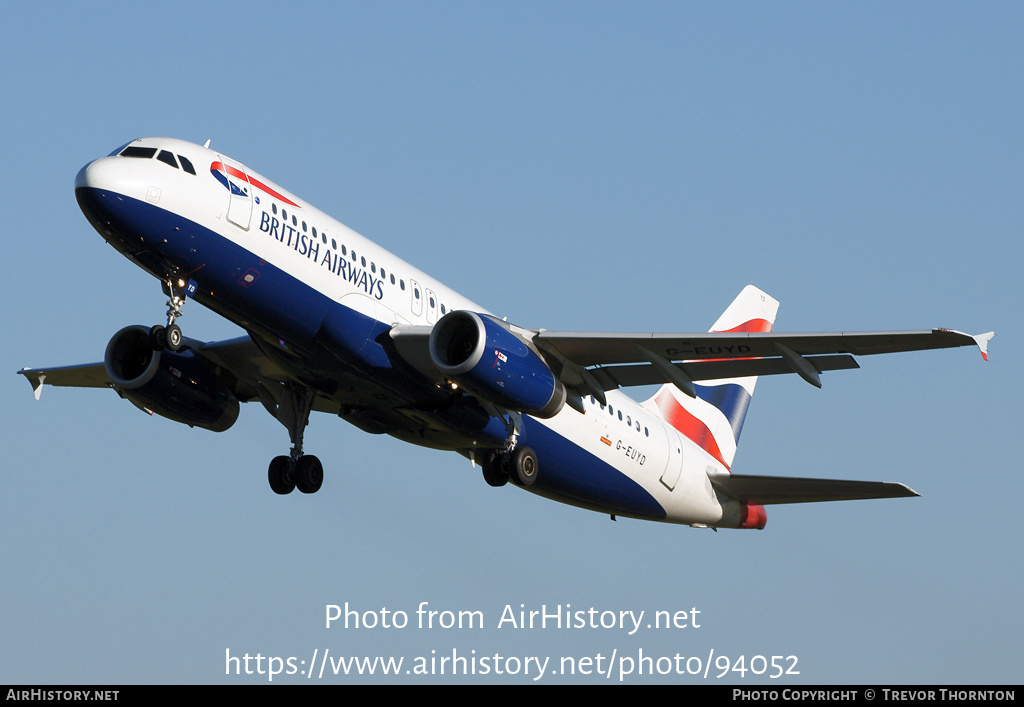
(240, 193)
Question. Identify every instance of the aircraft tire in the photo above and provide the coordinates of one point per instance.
(524, 466)
(494, 472)
(280, 480)
(158, 338)
(309, 474)
(174, 337)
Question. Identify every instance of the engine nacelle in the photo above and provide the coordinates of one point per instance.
(480, 354)
(179, 386)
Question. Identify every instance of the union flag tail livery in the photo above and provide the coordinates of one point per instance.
(713, 419)
(334, 323)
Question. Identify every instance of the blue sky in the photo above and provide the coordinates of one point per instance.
(594, 166)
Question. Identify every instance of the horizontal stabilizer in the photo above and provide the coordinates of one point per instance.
(766, 490)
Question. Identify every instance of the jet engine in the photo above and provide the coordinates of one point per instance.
(179, 386)
(482, 355)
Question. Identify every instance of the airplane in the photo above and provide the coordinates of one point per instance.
(336, 324)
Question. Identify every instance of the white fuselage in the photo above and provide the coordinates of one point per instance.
(653, 470)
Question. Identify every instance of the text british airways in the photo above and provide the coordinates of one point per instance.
(310, 247)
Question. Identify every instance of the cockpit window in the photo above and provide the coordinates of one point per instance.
(135, 151)
(167, 158)
(164, 156)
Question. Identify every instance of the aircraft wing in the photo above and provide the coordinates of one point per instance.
(89, 375)
(640, 359)
(240, 358)
(247, 364)
(595, 348)
(592, 362)
(766, 490)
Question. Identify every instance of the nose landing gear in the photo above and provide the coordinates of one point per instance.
(170, 336)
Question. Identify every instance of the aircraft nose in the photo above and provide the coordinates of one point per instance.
(100, 188)
(107, 174)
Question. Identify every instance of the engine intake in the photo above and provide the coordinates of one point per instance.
(481, 354)
(179, 386)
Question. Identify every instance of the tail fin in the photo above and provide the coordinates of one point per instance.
(714, 419)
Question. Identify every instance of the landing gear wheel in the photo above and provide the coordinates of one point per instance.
(495, 473)
(158, 338)
(309, 474)
(280, 476)
(524, 466)
(174, 337)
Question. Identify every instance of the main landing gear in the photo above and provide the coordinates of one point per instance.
(291, 405)
(513, 462)
(518, 465)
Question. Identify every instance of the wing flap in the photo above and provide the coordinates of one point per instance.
(765, 490)
(611, 377)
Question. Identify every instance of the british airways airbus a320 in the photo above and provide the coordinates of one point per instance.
(337, 324)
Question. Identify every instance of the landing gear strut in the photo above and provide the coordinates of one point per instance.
(170, 336)
(291, 405)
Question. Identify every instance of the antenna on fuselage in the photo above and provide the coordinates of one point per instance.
(207, 144)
